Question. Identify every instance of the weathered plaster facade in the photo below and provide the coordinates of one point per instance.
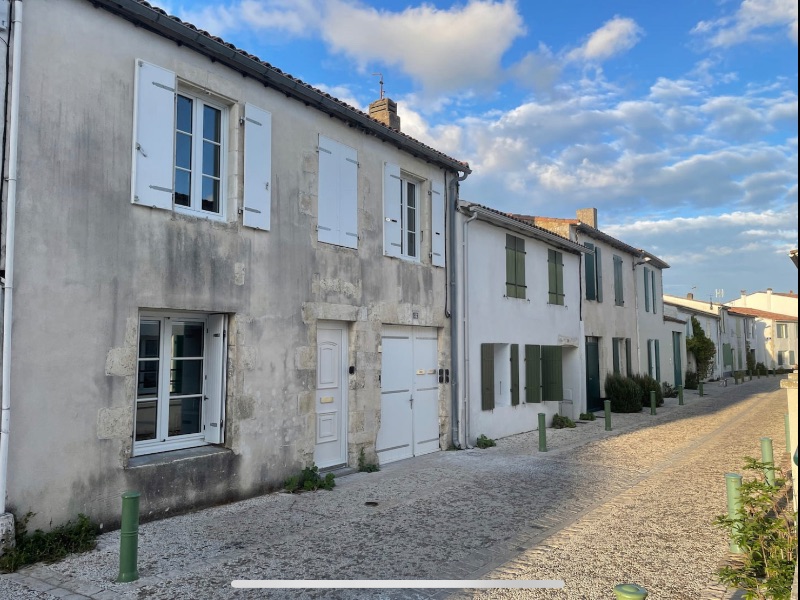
(89, 261)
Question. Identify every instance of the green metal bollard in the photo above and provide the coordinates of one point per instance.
(680, 395)
(788, 430)
(652, 402)
(542, 434)
(630, 591)
(129, 538)
(768, 459)
(700, 388)
(736, 378)
(733, 485)
(749, 375)
(607, 410)
(758, 373)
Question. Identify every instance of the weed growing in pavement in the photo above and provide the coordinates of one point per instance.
(484, 442)
(560, 422)
(586, 417)
(309, 480)
(364, 466)
(51, 546)
(765, 531)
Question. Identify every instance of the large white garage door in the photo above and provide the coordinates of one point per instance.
(409, 393)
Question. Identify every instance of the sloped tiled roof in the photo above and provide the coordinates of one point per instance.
(669, 319)
(761, 314)
(147, 16)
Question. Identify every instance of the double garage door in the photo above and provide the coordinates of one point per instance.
(409, 393)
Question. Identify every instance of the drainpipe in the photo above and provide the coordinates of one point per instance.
(465, 323)
(454, 390)
(8, 291)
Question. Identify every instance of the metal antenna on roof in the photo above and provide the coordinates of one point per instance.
(381, 82)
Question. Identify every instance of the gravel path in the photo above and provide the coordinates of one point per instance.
(599, 508)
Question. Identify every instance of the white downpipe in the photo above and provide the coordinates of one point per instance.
(465, 311)
(11, 219)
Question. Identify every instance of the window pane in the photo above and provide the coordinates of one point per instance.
(187, 339)
(411, 198)
(184, 114)
(183, 151)
(412, 244)
(147, 379)
(184, 416)
(210, 194)
(148, 339)
(183, 182)
(212, 118)
(146, 416)
(186, 377)
(210, 159)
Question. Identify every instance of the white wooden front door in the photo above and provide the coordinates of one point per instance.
(331, 396)
(409, 393)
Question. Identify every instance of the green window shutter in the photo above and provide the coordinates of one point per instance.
(520, 266)
(551, 277)
(514, 374)
(487, 376)
(511, 267)
(615, 353)
(619, 299)
(646, 290)
(533, 382)
(560, 277)
(552, 384)
(591, 278)
(628, 365)
(653, 288)
(658, 361)
(649, 358)
(598, 265)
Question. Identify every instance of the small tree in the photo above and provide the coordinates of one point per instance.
(702, 348)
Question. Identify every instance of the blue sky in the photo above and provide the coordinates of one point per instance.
(676, 120)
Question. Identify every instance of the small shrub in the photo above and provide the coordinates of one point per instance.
(761, 369)
(560, 422)
(309, 480)
(364, 466)
(648, 384)
(484, 442)
(667, 391)
(587, 417)
(765, 531)
(691, 380)
(625, 395)
(52, 546)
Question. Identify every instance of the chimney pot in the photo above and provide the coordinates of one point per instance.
(385, 111)
(690, 296)
(588, 216)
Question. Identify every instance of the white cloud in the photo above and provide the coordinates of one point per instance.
(754, 19)
(442, 49)
(615, 37)
(292, 17)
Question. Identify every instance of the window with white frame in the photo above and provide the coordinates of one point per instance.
(783, 330)
(180, 381)
(402, 211)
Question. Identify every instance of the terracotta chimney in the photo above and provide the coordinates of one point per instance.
(690, 296)
(385, 111)
(588, 216)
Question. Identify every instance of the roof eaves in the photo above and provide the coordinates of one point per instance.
(142, 14)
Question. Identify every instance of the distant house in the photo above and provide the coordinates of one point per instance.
(622, 313)
(520, 334)
(223, 274)
(775, 325)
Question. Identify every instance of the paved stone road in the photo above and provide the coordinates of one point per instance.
(599, 508)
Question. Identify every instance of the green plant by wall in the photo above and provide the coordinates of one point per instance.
(625, 395)
(364, 466)
(761, 368)
(690, 380)
(702, 348)
(309, 480)
(560, 422)
(750, 358)
(668, 391)
(648, 384)
(765, 530)
(52, 546)
(484, 442)
(587, 417)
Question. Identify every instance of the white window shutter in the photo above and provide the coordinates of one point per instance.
(392, 208)
(257, 168)
(437, 224)
(328, 229)
(153, 136)
(348, 198)
(216, 371)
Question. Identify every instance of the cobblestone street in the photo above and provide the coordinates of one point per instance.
(633, 505)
